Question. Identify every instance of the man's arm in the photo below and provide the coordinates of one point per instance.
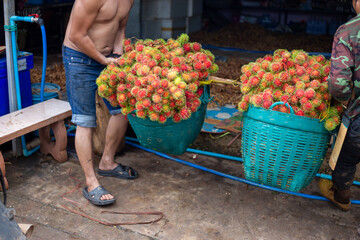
(84, 14)
(342, 64)
(120, 36)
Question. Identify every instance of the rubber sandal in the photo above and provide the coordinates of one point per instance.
(95, 195)
(121, 171)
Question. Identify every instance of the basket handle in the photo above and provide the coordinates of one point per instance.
(282, 103)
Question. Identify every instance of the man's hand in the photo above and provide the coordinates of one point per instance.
(110, 60)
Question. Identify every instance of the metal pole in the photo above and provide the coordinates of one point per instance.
(9, 10)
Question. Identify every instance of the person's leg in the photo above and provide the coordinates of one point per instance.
(81, 73)
(338, 190)
(345, 169)
(115, 133)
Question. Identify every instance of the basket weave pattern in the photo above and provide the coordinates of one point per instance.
(279, 155)
(170, 137)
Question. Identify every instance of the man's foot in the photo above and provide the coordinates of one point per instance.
(327, 190)
(120, 171)
(96, 196)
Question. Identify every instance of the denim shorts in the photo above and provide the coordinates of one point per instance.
(81, 73)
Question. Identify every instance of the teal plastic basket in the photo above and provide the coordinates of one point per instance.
(50, 91)
(170, 137)
(282, 150)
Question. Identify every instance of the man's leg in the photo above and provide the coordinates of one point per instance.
(84, 150)
(115, 133)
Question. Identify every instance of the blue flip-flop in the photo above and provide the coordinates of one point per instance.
(121, 171)
(95, 195)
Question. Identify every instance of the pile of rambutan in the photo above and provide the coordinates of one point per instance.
(158, 79)
(292, 77)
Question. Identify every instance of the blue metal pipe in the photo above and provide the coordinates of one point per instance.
(13, 19)
(43, 33)
(239, 159)
(233, 177)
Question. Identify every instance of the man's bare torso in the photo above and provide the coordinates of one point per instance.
(108, 21)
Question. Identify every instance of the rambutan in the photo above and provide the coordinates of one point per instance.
(196, 47)
(254, 81)
(256, 100)
(309, 93)
(330, 124)
(300, 71)
(121, 88)
(275, 67)
(307, 107)
(277, 94)
(267, 104)
(290, 90)
(179, 93)
(299, 112)
(299, 93)
(184, 113)
(156, 98)
(153, 116)
(142, 93)
(265, 65)
(277, 82)
(285, 98)
(121, 97)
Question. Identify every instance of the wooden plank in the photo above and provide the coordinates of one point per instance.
(29, 119)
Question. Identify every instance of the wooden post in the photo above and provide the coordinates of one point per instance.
(2, 167)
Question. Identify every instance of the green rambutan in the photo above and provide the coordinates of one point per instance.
(214, 68)
(330, 124)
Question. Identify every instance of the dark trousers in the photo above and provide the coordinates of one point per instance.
(345, 169)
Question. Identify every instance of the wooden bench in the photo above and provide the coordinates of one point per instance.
(44, 116)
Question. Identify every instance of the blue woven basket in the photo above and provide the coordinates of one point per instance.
(170, 137)
(282, 150)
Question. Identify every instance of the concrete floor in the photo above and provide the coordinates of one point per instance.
(195, 204)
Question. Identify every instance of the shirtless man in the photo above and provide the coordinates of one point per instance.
(93, 40)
